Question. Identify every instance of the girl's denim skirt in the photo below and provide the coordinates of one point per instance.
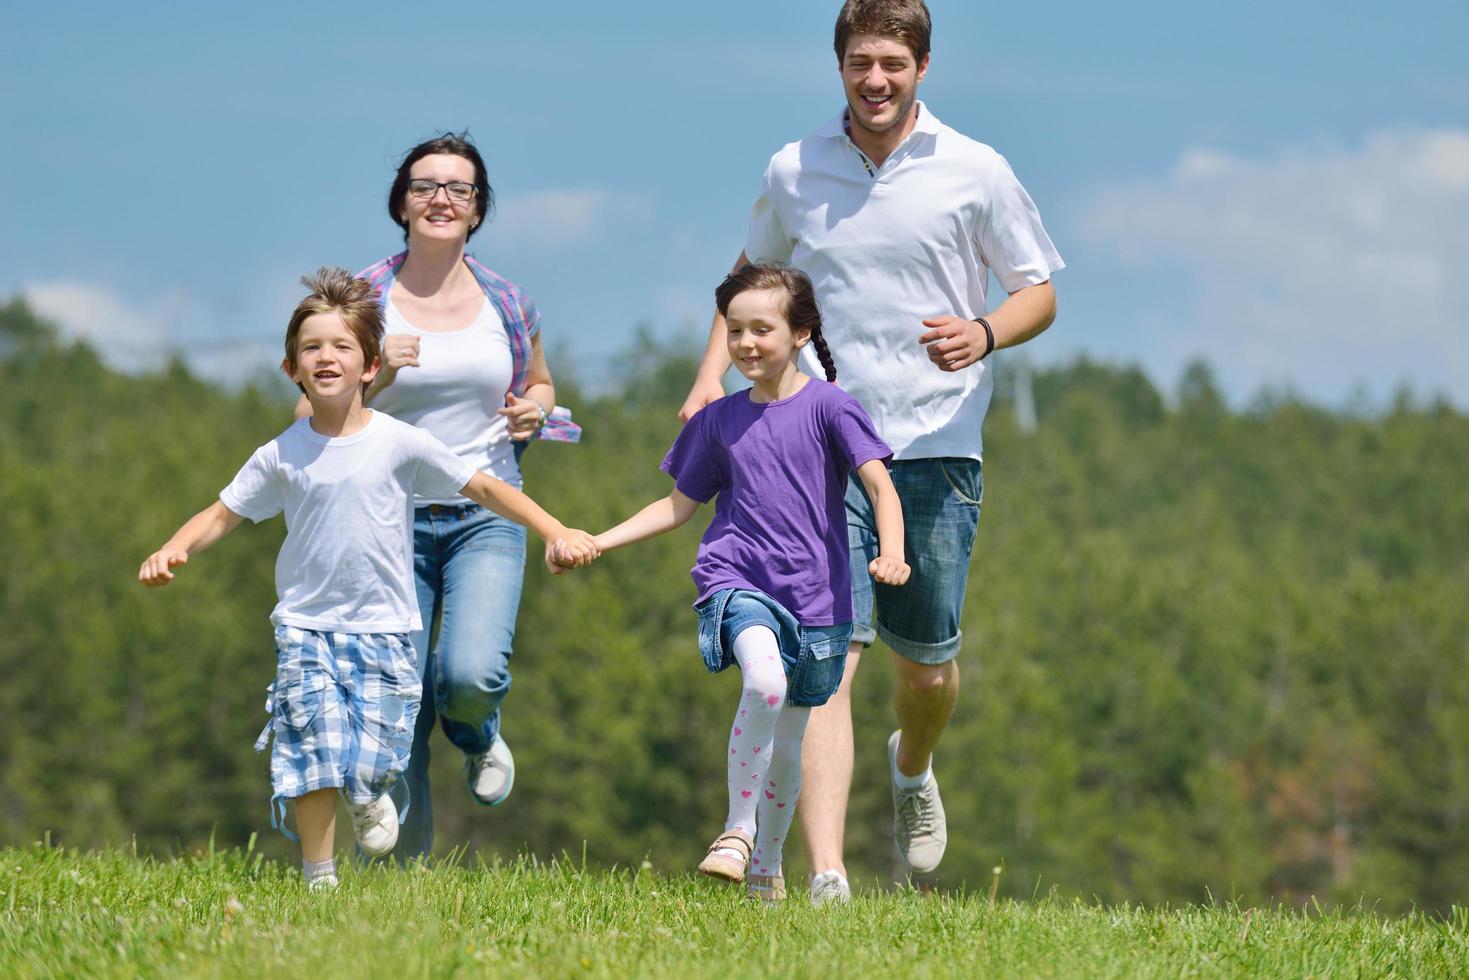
(814, 656)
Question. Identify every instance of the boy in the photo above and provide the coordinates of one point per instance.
(346, 689)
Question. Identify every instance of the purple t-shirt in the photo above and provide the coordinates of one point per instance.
(780, 471)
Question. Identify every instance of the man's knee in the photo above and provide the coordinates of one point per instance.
(928, 680)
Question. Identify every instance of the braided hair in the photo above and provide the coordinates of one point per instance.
(799, 308)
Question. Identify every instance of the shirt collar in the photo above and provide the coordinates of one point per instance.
(925, 123)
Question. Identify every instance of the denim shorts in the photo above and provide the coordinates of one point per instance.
(814, 656)
(342, 711)
(919, 620)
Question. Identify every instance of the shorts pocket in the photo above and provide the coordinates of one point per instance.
(711, 611)
(818, 672)
(298, 699)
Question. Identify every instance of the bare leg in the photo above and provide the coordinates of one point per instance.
(826, 774)
(316, 819)
(925, 699)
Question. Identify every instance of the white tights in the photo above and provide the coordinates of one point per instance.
(764, 750)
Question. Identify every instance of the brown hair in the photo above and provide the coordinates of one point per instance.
(799, 308)
(454, 144)
(904, 20)
(335, 290)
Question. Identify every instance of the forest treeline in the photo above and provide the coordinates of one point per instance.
(1208, 652)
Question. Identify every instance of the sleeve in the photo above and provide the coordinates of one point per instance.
(1012, 241)
(256, 491)
(767, 239)
(691, 463)
(853, 435)
(528, 312)
(439, 472)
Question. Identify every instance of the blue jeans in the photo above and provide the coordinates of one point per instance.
(919, 620)
(469, 563)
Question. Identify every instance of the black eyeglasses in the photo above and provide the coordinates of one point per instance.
(459, 191)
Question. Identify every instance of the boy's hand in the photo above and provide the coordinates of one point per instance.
(155, 571)
(889, 571)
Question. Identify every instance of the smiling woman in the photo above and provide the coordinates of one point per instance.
(463, 359)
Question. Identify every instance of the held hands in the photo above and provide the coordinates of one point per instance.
(523, 416)
(889, 571)
(572, 550)
(953, 342)
(400, 350)
(156, 570)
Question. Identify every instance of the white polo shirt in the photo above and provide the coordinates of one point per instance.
(889, 246)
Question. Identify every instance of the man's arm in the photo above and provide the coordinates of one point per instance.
(708, 382)
(955, 343)
(198, 533)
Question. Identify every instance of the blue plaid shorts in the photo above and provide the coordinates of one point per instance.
(342, 709)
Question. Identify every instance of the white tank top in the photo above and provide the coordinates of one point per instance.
(462, 378)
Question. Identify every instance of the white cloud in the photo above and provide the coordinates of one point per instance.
(126, 336)
(1317, 268)
(557, 219)
(142, 336)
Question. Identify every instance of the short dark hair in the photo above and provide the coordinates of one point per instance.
(905, 20)
(455, 144)
(799, 308)
(334, 290)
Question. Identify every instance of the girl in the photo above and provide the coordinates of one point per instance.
(772, 570)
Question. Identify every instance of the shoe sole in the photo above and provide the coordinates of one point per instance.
(510, 785)
(722, 872)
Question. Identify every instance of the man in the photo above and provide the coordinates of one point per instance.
(898, 220)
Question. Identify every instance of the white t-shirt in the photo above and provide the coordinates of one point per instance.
(885, 249)
(347, 562)
(461, 379)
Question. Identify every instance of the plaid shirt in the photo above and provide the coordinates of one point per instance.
(522, 322)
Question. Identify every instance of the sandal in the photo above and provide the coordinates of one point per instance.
(717, 865)
(766, 889)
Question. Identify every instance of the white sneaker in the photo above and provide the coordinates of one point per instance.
(375, 825)
(490, 775)
(830, 886)
(323, 883)
(919, 827)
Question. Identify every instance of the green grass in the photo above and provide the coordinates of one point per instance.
(233, 914)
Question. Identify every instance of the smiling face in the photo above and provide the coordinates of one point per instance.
(881, 80)
(761, 342)
(438, 218)
(329, 360)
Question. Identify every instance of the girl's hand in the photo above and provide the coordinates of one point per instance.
(400, 350)
(889, 571)
(523, 416)
(155, 571)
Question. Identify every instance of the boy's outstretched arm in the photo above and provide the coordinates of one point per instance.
(660, 516)
(198, 533)
(574, 547)
(888, 567)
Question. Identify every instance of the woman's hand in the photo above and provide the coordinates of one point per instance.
(523, 416)
(400, 350)
(889, 571)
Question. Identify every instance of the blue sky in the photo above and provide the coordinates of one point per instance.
(1280, 188)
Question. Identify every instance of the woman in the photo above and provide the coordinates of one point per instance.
(462, 358)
